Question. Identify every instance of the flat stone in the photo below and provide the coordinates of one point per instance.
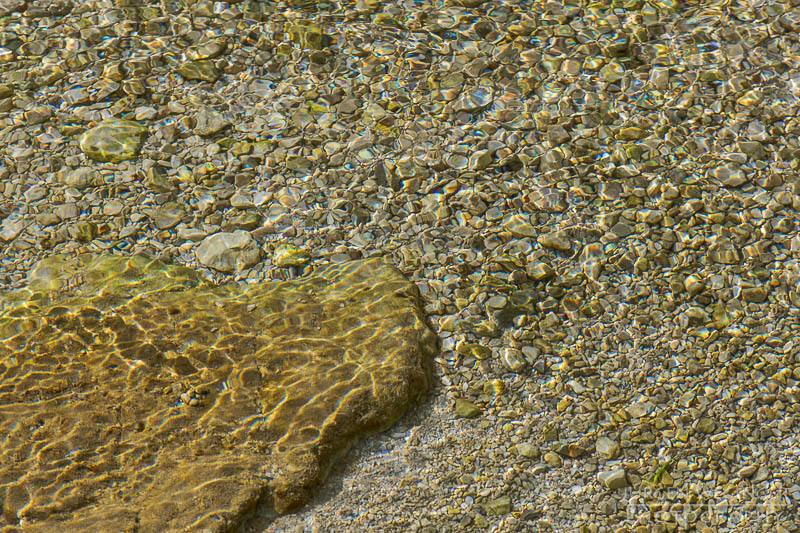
(137, 395)
(746, 472)
(11, 228)
(729, 174)
(67, 211)
(246, 220)
(467, 409)
(613, 479)
(82, 177)
(208, 50)
(37, 192)
(298, 163)
(47, 219)
(498, 506)
(157, 180)
(145, 113)
(540, 271)
(725, 252)
(621, 230)
(632, 133)
(528, 450)
(469, 3)
(191, 234)
(166, 216)
(209, 122)
(38, 114)
(607, 448)
(572, 450)
(475, 100)
(113, 140)
(556, 240)
(228, 252)
(512, 359)
(84, 231)
(520, 226)
(308, 35)
(203, 69)
(706, 425)
(754, 294)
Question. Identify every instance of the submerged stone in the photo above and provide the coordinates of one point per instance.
(210, 122)
(308, 35)
(137, 395)
(229, 251)
(113, 140)
(207, 50)
(203, 69)
(290, 255)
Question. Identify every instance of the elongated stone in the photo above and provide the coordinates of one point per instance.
(137, 395)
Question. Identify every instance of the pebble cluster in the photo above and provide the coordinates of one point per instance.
(598, 201)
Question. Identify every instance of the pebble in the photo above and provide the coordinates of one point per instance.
(204, 70)
(528, 450)
(553, 459)
(613, 479)
(607, 448)
(209, 122)
(513, 359)
(113, 140)
(747, 472)
(498, 506)
(466, 409)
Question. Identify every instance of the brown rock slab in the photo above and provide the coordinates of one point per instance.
(136, 396)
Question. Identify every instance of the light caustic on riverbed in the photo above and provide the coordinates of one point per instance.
(129, 387)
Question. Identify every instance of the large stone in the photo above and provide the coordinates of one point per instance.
(135, 395)
(228, 252)
(113, 140)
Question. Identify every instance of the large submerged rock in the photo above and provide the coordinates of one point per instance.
(135, 396)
